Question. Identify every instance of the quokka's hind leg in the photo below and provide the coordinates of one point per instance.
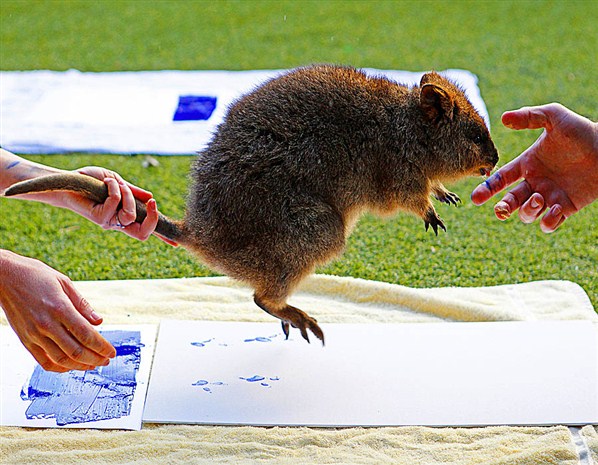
(311, 234)
(290, 316)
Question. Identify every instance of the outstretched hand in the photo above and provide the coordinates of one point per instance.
(559, 171)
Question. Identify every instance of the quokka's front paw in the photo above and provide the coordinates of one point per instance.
(432, 219)
(447, 197)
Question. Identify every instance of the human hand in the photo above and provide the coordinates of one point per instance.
(50, 317)
(108, 214)
(559, 171)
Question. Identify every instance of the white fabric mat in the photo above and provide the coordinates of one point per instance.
(330, 299)
(132, 112)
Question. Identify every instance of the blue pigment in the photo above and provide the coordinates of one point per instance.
(261, 379)
(254, 378)
(194, 108)
(82, 396)
(13, 164)
(201, 344)
(261, 339)
(204, 383)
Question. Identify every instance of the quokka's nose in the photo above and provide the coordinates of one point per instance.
(493, 154)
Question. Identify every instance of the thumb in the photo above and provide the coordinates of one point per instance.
(529, 118)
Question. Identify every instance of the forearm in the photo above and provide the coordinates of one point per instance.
(14, 169)
(8, 274)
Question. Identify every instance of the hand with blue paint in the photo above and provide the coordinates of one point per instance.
(559, 171)
(51, 318)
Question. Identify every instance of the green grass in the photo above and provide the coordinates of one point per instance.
(523, 52)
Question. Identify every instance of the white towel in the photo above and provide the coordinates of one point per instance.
(330, 299)
(134, 112)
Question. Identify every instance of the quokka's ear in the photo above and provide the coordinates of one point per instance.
(436, 102)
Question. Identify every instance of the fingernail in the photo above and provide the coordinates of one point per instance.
(556, 210)
(501, 209)
(534, 203)
(505, 120)
(94, 316)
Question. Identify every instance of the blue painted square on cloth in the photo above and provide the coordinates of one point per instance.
(194, 108)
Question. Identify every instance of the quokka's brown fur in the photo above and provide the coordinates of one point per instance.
(299, 159)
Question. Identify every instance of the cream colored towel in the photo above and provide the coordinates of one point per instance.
(329, 299)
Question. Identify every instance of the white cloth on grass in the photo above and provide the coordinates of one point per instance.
(132, 112)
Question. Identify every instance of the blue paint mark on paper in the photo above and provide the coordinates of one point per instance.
(201, 344)
(13, 164)
(261, 339)
(254, 378)
(204, 384)
(194, 108)
(262, 380)
(83, 396)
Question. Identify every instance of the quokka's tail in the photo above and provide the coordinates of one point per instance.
(95, 190)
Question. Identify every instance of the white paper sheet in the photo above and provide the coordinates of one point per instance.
(17, 366)
(446, 374)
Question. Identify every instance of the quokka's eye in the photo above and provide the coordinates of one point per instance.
(477, 139)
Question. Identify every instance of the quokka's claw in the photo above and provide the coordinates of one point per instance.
(285, 329)
(305, 322)
(291, 316)
(432, 219)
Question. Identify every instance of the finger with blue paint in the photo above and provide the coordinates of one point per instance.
(559, 172)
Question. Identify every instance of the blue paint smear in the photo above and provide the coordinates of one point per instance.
(261, 379)
(254, 378)
(261, 339)
(201, 344)
(83, 396)
(13, 164)
(204, 383)
(194, 108)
